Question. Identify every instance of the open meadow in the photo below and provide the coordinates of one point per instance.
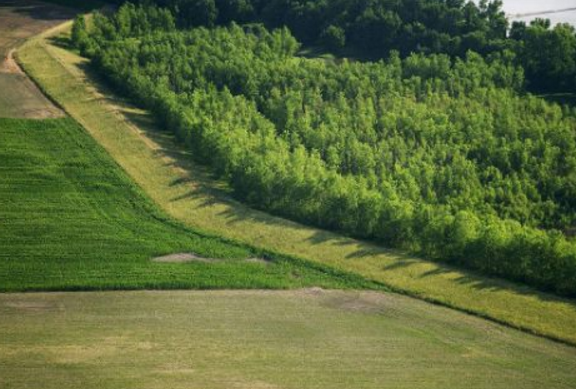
(307, 339)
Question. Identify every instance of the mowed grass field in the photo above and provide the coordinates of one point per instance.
(70, 219)
(186, 192)
(19, 20)
(306, 339)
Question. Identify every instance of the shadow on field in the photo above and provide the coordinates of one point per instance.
(485, 282)
(61, 41)
(39, 11)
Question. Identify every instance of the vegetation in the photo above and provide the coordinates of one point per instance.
(321, 340)
(186, 191)
(71, 220)
(373, 28)
(389, 151)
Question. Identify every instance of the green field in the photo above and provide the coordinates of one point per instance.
(70, 219)
(184, 191)
(306, 339)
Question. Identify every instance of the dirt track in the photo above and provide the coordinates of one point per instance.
(20, 20)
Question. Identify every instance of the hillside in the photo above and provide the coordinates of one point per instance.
(164, 231)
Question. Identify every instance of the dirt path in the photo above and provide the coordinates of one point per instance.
(20, 20)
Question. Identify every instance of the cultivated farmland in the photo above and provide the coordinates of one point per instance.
(72, 220)
(264, 340)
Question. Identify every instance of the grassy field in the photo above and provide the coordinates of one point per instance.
(70, 219)
(186, 192)
(264, 340)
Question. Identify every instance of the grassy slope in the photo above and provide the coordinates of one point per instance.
(264, 340)
(182, 189)
(70, 219)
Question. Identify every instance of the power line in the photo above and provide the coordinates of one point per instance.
(542, 12)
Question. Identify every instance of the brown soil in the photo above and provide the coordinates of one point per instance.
(9, 64)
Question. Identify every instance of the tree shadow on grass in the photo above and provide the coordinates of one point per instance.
(40, 11)
(61, 41)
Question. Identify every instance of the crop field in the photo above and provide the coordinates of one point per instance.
(20, 20)
(255, 340)
(187, 193)
(70, 219)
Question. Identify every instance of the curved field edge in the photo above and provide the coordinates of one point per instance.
(186, 192)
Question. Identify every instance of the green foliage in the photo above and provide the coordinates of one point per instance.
(70, 219)
(548, 55)
(333, 37)
(79, 35)
(374, 28)
(438, 156)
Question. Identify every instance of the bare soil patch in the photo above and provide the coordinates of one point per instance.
(190, 257)
(9, 65)
(183, 258)
(20, 20)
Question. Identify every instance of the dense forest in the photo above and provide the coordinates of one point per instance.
(372, 28)
(439, 155)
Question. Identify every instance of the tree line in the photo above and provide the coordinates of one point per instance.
(373, 28)
(439, 156)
